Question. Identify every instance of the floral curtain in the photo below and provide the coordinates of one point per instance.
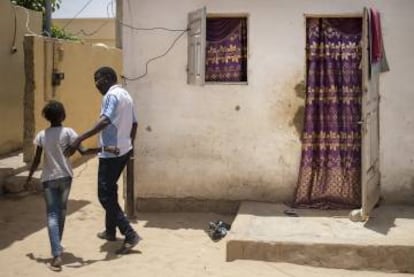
(226, 57)
(330, 169)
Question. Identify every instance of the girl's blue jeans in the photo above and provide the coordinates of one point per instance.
(56, 194)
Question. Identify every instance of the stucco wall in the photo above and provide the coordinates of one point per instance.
(92, 30)
(238, 142)
(12, 28)
(77, 90)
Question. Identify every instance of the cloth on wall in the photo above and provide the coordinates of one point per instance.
(330, 168)
(377, 54)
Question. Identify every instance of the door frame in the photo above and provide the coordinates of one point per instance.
(369, 193)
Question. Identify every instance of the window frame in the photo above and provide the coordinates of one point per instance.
(193, 59)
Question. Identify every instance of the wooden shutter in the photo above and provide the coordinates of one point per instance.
(196, 47)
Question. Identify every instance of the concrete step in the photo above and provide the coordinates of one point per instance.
(13, 162)
(262, 231)
(4, 173)
(15, 183)
(13, 174)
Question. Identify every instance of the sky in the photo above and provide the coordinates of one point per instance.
(96, 8)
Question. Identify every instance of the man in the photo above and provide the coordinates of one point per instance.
(117, 126)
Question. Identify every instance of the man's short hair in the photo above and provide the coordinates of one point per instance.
(107, 72)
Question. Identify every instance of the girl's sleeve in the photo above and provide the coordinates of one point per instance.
(38, 140)
(72, 135)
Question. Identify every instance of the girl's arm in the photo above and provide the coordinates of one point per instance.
(35, 164)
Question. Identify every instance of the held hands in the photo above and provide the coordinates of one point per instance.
(71, 149)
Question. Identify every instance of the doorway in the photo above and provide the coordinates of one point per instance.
(330, 168)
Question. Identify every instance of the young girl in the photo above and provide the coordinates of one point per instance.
(57, 172)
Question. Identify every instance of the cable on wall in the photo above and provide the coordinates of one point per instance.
(88, 34)
(183, 31)
(150, 28)
(155, 58)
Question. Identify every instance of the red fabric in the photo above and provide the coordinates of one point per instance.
(376, 36)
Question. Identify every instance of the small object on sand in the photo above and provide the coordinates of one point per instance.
(290, 212)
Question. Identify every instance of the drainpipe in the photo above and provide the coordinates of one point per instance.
(118, 27)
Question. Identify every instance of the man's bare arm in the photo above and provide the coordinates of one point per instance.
(99, 126)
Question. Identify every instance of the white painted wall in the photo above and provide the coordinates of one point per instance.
(192, 142)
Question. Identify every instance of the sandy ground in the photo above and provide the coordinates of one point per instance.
(175, 244)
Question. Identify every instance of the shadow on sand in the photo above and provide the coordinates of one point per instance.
(25, 214)
(177, 221)
(74, 261)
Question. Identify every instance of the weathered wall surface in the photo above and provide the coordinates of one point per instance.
(78, 62)
(238, 142)
(92, 30)
(13, 27)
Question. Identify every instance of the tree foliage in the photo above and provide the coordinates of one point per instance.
(60, 33)
(37, 5)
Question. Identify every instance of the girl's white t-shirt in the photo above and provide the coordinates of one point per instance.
(54, 141)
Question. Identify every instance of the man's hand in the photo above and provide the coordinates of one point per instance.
(112, 149)
(71, 149)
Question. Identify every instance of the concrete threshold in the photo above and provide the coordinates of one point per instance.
(13, 163)
(264, 231)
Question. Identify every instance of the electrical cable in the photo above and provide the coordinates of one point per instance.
(155, 58)
(84, 33)
(150, 28)
(88, 34)
(107, 9)
(78, 13)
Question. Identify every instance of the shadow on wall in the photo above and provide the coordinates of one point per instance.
(21, 216)
(298, 119)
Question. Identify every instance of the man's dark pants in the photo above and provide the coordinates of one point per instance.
(108, 174)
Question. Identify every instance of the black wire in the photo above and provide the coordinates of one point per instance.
(155, 58)
(83, 32)
(78, 13)
(107, 9)
(150, 28)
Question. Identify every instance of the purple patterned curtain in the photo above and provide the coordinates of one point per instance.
(330, 169)
(226, 57)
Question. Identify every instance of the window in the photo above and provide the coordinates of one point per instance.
(217, 49)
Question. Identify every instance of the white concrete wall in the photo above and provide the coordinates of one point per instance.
(193, 142)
